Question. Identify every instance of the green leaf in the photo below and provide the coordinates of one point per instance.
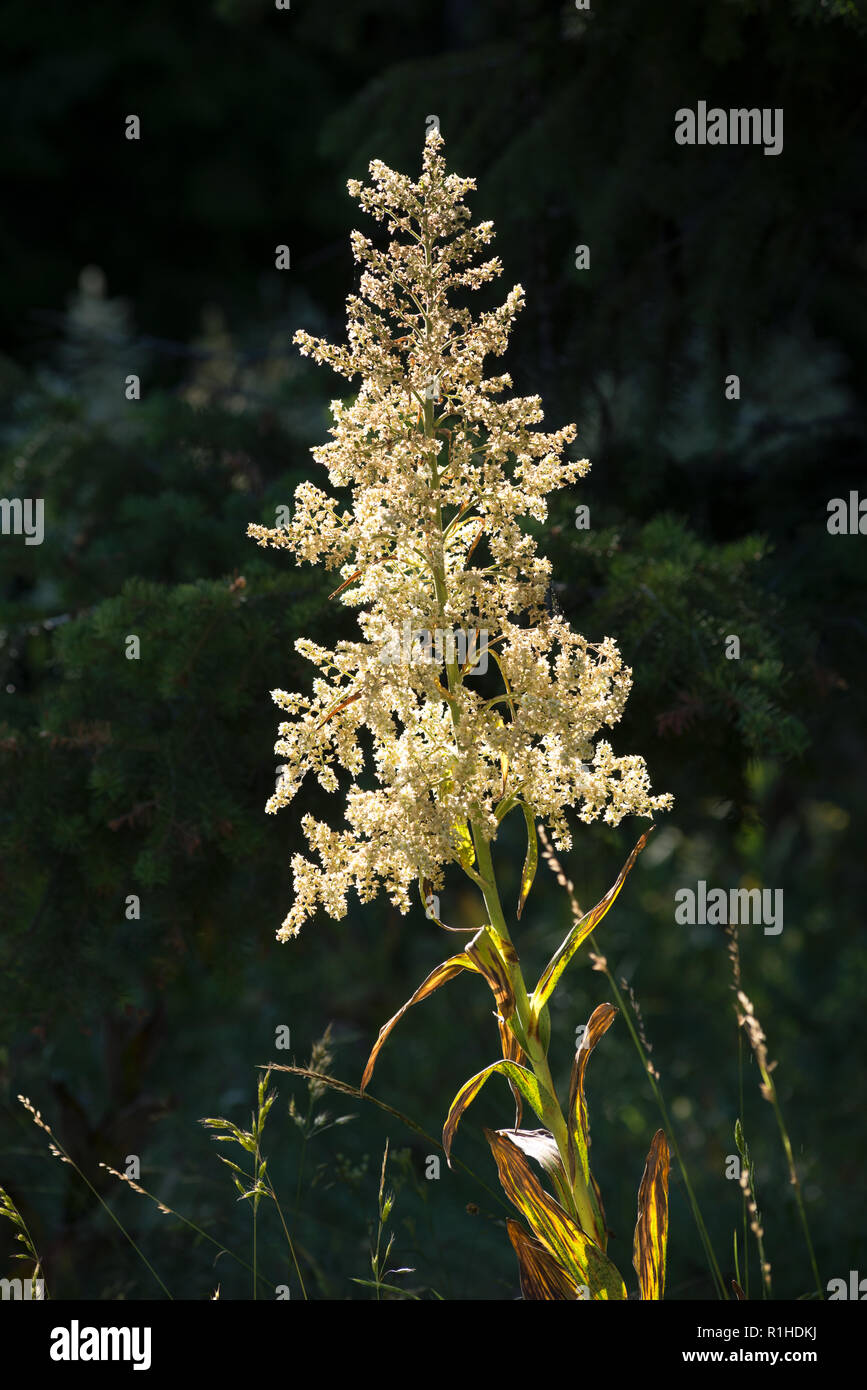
(600, 1021)
(545, 1029)
(741, 1143)
(246, 1141)
(535, 1095)
(463, 843)
(230, 1164)
(582, 929)
(531, 861)
(392, 1288)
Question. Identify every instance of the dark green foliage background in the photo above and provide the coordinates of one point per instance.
(708, 517)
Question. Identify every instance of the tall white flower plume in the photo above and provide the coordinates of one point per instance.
(442, 466)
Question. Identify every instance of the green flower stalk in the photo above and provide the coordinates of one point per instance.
(443, 466)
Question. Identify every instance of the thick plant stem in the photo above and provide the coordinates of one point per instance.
(582, 1205)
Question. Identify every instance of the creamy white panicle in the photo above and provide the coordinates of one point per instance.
(441, 468)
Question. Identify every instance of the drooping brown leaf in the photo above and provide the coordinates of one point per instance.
(578, 1255)
(482, 957)
(651, 1229)
(492, 959)
(444, 972)
(542, 1278)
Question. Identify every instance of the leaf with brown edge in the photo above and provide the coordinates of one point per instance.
(596, 1197)
(578, 1255)
(512, 1052)
(534, 1094)
(491, 957)
(582, 929)
(600, 1021)
(651, 1229)
(444, 972)
(482, 957)
(542, 1278)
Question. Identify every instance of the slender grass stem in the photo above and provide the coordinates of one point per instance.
(273, 1194)
(347, 1090)
(170, 1211)
(758, 1042)
(793, 1175)
(60, 1152)
(746, 1283)
(11, 1212)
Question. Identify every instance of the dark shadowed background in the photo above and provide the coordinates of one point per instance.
(708, 519)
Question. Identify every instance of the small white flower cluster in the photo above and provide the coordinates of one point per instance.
(439, 480)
